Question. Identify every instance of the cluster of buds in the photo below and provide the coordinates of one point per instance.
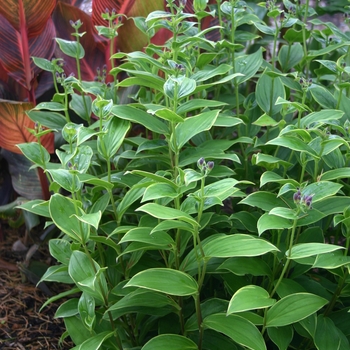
(101, 75)
(205, 167)
(305, 83)
(112, 16)
(72, 166)
(77, 24)
(270, 4)
(303, 201)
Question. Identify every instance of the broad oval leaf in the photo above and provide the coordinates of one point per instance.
(165, 213)
(168, 281)
(170, 342)
(249, 298)
(238, 329)
(94, 342)
(237, 245)
(61, 211)
(272, 222)
(304, 250)
(293, 308)
(193, 126)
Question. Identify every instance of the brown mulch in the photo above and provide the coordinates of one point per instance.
(22, 325)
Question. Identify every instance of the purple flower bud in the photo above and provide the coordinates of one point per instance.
(297, 196)
(69, 164)
(308, 201)
(201, 161)
(107, 10)
(113, 11)
(210, 165)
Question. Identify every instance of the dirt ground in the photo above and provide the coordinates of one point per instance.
(22, 325)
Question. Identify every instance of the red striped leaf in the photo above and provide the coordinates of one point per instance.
(27, 15)
(16, 50)
(14, 124)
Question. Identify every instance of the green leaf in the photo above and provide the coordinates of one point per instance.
(293, 143)
(61, 211)
(168, 281)
(281, 336)
(36, 206)
(81, 105)
(140, 117)
(169, 115)
(290, 56)
(268, 89)
(109, 143)
(92, 219)
(170, 342)
(165, 213)
(138, 299)
(238, 329)
(60, 249)
(272, 222)
(52, 106)
(249, 298)
(293, 308)
(328, 336)
(159, 190)
(44, 64)
(304, 250)
(66, 179)
(196, 104)
(87, 275)
(323, 97)
(179, 87)
(270, 176)
(246, 266)
(51, 120)
(143, 234)
(71, 48)
(209, 72)
(193, 126)
(331, 260)
(248, 65)
(326, 116)
(237, 245)
(57, 273)
(35, 153)
(263, 200)
(68, 308)
(94, 342)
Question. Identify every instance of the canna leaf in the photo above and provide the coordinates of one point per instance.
(14, 124)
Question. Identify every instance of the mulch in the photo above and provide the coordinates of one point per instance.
(22, 325)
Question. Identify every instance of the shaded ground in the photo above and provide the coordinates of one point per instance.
(22, 326)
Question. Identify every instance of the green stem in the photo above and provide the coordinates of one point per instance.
(285, 267)
(306, 9)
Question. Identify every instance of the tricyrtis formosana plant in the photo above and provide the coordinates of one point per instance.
(203, 199)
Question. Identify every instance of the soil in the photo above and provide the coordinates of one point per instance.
(22, 325)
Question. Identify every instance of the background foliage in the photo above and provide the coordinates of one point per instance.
(201, 184)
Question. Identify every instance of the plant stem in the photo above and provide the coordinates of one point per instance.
(285, 267)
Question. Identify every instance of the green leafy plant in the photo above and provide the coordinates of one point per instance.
(211, 210)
